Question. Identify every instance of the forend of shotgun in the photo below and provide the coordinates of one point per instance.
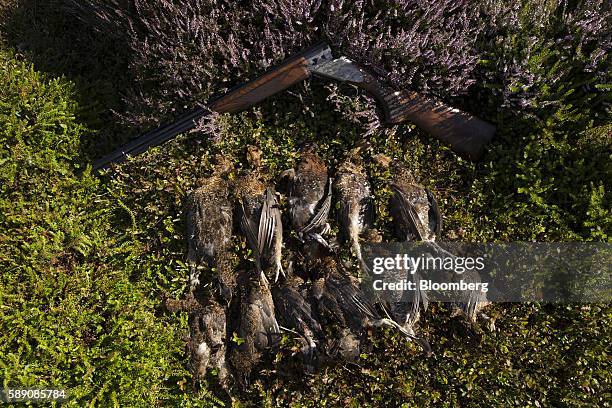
(291, 71)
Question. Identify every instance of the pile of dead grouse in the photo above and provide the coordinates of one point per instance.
(297, 285)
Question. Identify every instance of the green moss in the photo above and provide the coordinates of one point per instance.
(70, 314)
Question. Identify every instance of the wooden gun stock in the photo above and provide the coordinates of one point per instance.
(466, 134)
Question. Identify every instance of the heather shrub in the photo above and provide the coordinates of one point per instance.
(541, 55)
(429, 46)
(191, 49)
(519, 56)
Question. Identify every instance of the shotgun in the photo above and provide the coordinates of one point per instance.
(466, 134)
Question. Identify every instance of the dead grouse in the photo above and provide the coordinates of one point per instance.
(260, 219)
(209, 228)
(310, 196)
(354, 193)
(295, 315)
(253, 325)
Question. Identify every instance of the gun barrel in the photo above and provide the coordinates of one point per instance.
(277, 79)
(153, 138)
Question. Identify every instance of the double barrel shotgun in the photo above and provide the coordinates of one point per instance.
(466, 134)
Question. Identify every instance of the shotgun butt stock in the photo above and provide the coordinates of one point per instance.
(466, 134)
